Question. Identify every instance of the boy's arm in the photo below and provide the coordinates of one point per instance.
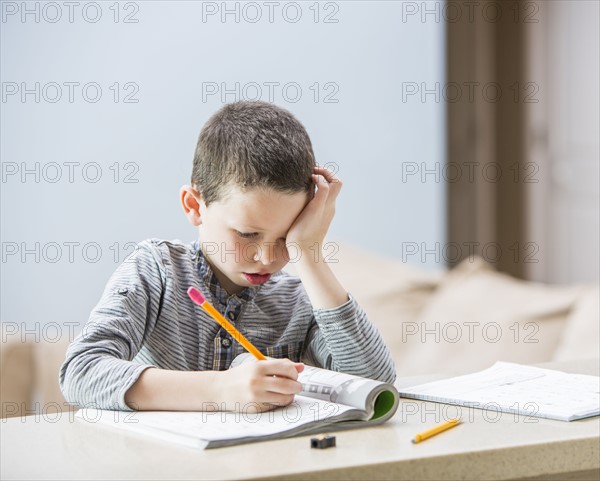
(307, 234)
(97, 370)
(342, 339)
(165, 390)
(322, 287)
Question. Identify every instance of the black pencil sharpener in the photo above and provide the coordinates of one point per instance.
(323, 441)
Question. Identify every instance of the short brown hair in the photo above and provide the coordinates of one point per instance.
(252, 144)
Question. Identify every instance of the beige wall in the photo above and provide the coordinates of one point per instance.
(563, 130)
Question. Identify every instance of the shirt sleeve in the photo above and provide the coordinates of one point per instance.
(343, 339)
(98, 368)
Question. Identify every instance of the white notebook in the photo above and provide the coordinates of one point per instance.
(515, 388)
(330, 401)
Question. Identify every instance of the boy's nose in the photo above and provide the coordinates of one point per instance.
(266, 254)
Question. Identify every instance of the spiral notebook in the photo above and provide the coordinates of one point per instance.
(515, 388)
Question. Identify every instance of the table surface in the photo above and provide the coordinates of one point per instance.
(487, 445)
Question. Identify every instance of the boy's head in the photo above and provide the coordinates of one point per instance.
(252, 145)
(251, 178)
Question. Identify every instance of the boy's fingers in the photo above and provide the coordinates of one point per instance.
(278, 400)
(321, 181)
(282, 385)
(323, 187)
(327, 181)
(328, 174)
(280, 367)
(261, 407)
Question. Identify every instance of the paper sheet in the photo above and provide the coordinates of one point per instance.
(517, 388)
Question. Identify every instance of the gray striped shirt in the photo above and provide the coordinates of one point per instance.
(146, 319)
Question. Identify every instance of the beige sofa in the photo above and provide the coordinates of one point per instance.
(444, 321)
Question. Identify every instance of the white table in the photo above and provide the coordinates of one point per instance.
(35, 447)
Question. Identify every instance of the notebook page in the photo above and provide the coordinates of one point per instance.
(517, 388)
(222, 425)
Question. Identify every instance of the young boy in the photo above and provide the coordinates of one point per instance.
(147, 346)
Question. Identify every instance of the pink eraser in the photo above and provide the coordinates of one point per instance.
(196, 295)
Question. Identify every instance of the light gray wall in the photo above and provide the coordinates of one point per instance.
(564, 126)
(361, 57)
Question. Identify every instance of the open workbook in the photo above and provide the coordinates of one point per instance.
(515, 388)
(329, 401)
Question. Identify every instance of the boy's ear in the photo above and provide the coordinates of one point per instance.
(190, 201)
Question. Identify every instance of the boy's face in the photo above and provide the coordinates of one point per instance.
(243, 235)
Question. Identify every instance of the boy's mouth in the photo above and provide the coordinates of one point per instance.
(257, 278)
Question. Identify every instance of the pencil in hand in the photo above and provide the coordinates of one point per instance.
(198, 298)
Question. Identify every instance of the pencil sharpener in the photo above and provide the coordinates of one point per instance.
(323, 441)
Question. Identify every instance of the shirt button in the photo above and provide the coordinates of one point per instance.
(226, 342)
(123, 290)
(231, 315)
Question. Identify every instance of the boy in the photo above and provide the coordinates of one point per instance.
(146, 346)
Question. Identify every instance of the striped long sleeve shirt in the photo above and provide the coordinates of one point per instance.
(145, 319)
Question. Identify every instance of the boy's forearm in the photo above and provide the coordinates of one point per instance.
(321, 285)
(166, 390)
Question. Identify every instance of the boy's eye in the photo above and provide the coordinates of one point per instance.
(246, 234)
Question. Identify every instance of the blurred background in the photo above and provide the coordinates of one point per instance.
(159, 72)
(460, 129)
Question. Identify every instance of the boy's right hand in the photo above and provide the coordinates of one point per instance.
(260, 386)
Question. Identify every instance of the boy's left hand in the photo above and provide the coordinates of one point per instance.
(312, 224)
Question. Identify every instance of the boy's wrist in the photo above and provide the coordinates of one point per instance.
(218, 388)
(320, 283)
(164, 389)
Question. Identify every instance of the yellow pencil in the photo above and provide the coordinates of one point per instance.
(436, 430)
(198, 298)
